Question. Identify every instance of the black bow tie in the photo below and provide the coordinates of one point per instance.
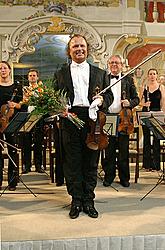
(112, 76)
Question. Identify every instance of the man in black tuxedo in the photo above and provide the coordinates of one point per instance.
(125, 95)
(80, 80)
(35, 136)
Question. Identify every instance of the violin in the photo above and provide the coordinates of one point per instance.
(5, 113)
(126, 119)
(97, 139)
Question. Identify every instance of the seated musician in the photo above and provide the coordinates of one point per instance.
(127, 88)
(152, 99)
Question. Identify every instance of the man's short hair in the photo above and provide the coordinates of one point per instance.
(33, 70)
(118, 56)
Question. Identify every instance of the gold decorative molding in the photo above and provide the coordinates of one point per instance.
(131, 39)
(131, 3)
(155, 40)
(23, 40)
(57, 25)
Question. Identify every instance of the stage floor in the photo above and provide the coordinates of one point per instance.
(45, 217)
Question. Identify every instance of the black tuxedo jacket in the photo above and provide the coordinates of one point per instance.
(127, 85)
(98, 78)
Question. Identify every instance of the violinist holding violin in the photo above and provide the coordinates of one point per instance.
(125, 98)
(10, 97)
(79, 79)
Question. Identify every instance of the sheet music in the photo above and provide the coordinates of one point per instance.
(160, 115)
(16, 123)
(33, 119)
(110, 127)
(158, 127)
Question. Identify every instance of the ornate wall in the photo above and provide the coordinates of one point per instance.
(110, 27)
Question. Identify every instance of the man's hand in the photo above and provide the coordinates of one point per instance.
(11, 104)
(99, 99)
(125, 103)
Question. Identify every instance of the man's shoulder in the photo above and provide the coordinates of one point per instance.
(127, 78)
(64, 67)
(96, 68)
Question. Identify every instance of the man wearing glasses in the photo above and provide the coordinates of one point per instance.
(125, 95)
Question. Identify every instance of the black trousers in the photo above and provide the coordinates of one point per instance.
(59, 173)
(79, 162)
(151, 151)
(110, 158)
(35, 137)
(13, 169)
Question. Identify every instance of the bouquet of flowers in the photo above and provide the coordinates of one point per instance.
(48, 101)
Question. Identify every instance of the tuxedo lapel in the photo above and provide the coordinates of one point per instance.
(92, 82)
(91, 76)
(68, 79)
(68, 84)
(123, 86)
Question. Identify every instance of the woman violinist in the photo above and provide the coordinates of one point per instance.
(152, 99)
(10, 97)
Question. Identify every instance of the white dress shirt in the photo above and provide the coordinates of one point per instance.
(80, 78)
(116, 90)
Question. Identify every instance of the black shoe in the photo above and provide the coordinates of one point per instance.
(59, 184)
(107, 183)
(25, 171)
(91, 211)
(40, 170)
(74, 211)
(125, 183)
(12, 188)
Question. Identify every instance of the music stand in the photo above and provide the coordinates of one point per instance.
(158, 130)
(110, 128)
(160, 115)
(21, 122)
(29, 123)
(17, 122)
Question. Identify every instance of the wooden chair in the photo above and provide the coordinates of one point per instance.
(5, 156)
(162, 153)
(134, 151)
(55, 154)
(48, 151)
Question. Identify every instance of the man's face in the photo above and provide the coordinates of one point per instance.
(115, 65)
(32, 77)
(78, 49)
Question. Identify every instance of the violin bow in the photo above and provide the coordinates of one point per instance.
(130, 71)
